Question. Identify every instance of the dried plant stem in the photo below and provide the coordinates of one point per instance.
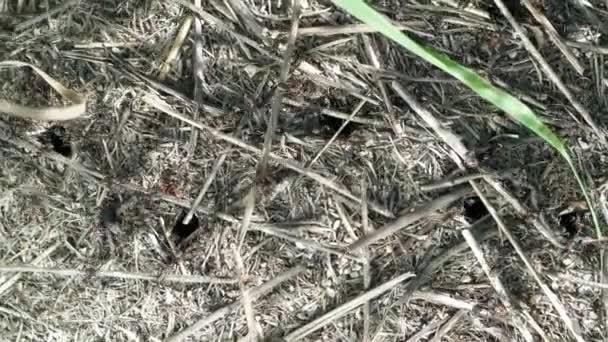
(5, 285)
(254, 294)
(337, 133)
(277, 98)
(343, 309)
(448, 183)
(449, 325)
(206, 185)
(409, 218)
(173, 51)
(554, 36)
(580, 281)
(454, 141)
(253, 334)
(367, 280)
(70, 272)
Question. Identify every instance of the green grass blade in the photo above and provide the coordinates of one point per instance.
(516, 109)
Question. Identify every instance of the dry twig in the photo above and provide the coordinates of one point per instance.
(70, 272)
(254, 294)
(409, 218)
(343, 309)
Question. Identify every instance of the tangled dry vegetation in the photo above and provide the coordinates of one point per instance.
(255, 170)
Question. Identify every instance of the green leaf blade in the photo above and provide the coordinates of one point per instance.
(517, 110)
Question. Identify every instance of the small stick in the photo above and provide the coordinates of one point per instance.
(554, 36)
(448, 183)
(174, 251)
(409, 218)
(208, 17)
(535, 219)
(593, 48)
(249, 202)
(312, 244)
(343, 309)
(604, 260)
(201, 194)
(247, 18)
(367, 280)
(6, 285)
(173, 51)
(427, 329)
(445, 299)
(497, 284)
(337, 133)
(449, 325)
(345, 220)
(325, 31)
(277, 97)
(161, 105)
(198, 73)
(71, 272)
(391, 117)
(481, 229)
(254, 294)
(254, 334)
(577, 280)
(334, 113)
(454, 141)
(24, 25)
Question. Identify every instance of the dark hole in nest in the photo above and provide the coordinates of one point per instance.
(109, 214)
(72, 241)
(518, 11)
(572, 223)
(57, 137)
(329, 125)
(474, 209)
(182, 231)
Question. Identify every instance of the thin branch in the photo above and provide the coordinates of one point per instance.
(453, 140)
(71, 272)
(277, 98)
(337, 133)
(253, 334)
(554, 36)
(254, 294)
(391, 117)
(411, 217)
(367, 280)
(343, 309)
(449, 325)
(208, 17)
(333, 30)
(206, 185)
(448, 183)
(32, 21)
(580, 281)
(6, 285)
